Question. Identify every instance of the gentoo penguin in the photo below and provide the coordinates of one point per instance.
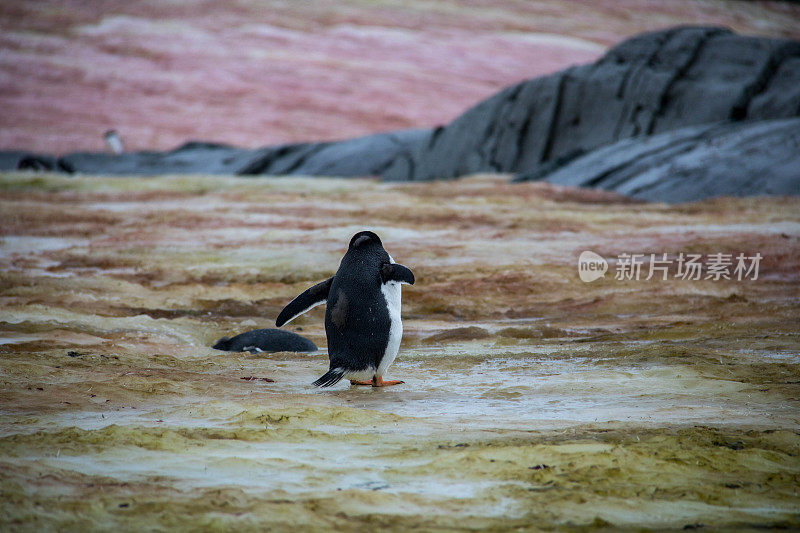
(362, 319)
(114, 141)
(266, 341)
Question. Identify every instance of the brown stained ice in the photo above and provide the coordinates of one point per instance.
(531, 399)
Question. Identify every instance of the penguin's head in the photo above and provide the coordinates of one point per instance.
(366, 246)
(363, 240)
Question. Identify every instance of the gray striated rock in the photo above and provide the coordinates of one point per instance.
(649, 84)
(364, 156)
(731, 159)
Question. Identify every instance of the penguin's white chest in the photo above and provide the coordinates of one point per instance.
(392, 293)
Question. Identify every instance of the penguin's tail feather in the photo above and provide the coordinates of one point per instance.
(331, 377)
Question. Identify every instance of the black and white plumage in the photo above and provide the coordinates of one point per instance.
(362, 319)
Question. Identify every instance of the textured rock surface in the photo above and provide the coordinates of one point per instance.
(363, 156)
(736, 159)
(649, 84)
(265, 340)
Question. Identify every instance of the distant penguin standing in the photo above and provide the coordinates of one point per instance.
(362, 319)
(114, 141)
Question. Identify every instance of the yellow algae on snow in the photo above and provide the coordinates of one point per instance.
(532, 399)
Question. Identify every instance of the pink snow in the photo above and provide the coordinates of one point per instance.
(265, 73)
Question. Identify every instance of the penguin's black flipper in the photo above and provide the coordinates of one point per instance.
(396, 272)
(312, 297)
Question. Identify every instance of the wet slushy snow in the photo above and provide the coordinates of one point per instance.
(531, 399)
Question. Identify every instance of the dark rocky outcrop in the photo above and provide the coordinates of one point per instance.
(648, 85)
(364, 156)
(730, 159)
(266, 340)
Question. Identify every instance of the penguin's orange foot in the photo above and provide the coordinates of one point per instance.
(378, 382)
(359, 382)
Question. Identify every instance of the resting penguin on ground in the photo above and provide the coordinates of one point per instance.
(266, 341)
(362, 319)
